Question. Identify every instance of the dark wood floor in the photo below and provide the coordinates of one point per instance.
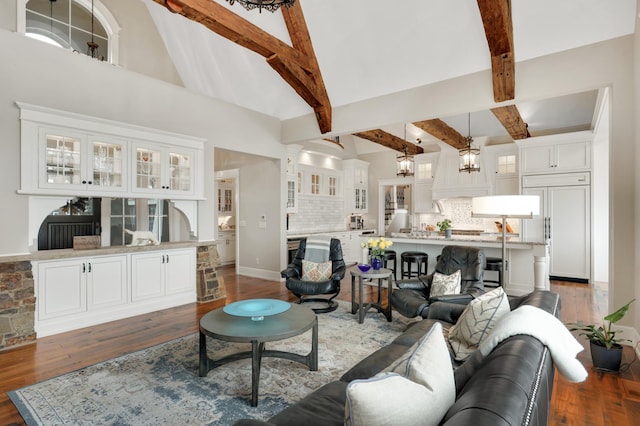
(602, 400)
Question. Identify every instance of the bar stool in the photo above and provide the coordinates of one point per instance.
(390, 255)
(408, 258)
(494, 264)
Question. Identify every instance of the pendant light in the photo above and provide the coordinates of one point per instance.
(270, 5)
(92, 46)
(404, 161)
(469, 156)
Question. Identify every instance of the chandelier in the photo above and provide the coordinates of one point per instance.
(92, 46)
(270, 5)
(404, 161)
(469, 156)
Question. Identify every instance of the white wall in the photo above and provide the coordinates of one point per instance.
(600, 191)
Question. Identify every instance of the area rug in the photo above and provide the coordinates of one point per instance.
(160, 385)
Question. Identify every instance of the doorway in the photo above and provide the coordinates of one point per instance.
(227, 212)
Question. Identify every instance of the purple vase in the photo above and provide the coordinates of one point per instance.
(376, 263)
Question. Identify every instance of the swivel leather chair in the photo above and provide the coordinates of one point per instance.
(307, 291)
(412, 298)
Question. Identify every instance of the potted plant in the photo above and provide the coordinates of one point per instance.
(606, 350)
(445, 226)
(377, 246)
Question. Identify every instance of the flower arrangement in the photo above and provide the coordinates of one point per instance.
(377, 246)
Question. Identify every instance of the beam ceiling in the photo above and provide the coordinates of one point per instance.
(441, 130)
(511, 120)
(390, 141)
(498, 28)
(297, 65)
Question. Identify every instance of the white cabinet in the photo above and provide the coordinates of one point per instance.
(161, 170)
(345, 243)
(356, 177)
(69, 160)
(225, 196)
(160, 273)
(555, 155)
(226, 247)
(75, 286)
(423, 198)
(74, 155)
(425, 171)
(564, 221)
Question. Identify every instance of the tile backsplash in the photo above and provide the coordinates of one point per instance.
(458, 210)
(318, 214)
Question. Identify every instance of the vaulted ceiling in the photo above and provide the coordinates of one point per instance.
(327, 53)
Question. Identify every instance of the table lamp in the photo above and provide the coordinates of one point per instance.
(505, 206)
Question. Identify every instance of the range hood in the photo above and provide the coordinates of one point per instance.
(449, 182)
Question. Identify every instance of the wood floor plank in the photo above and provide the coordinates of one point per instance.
(572, 404)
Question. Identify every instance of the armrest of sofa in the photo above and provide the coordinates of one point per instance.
(460, 299)
(447, 312)
(338, 274)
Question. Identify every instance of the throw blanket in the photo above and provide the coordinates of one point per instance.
(549, 330)
(317, 249)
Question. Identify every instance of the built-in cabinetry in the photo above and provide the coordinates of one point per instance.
(425, 171)
(84, 156)
(226, 247)
(293, 178)
(84, 291)
(557, 169)
(501, 162)
(162, 170)
(316, 181)
(564, 221)
(556, 154)
(225, 197)
(356, 177)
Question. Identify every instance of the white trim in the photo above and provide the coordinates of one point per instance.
(100, 11)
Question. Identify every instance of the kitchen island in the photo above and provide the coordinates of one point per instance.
(527, 261)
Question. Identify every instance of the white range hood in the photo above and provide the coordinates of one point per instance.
(449, 182)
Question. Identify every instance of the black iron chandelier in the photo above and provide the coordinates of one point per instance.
(404, 161)
(469, 156)
(270, 5)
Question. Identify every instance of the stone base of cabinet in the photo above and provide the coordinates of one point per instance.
(209, 281)
(17, 305)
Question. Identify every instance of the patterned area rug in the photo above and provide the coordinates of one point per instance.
(160, 385)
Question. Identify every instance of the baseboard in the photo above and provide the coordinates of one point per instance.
(630, 333)
(259, 273)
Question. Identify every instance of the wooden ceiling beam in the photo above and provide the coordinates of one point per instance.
(441, 130)
(297, 65)
(498, 28)
(383, 138)
(512, 121)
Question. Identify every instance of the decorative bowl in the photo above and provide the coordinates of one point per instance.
(364, 267)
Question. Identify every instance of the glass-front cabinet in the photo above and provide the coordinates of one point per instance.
(82, 162)
(162, 169)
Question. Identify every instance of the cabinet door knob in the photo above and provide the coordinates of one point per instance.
(84, 267)
(89, 266)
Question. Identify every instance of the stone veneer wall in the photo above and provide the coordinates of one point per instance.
(209, 283)
(17, 304)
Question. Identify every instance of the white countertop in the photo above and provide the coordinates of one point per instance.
(487, 240)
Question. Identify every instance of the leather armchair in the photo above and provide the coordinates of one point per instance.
(412, 298)
(303, 289)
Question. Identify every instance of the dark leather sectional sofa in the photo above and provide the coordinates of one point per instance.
(511, 386)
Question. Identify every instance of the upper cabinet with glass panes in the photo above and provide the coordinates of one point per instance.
(162, 169)
(90, 157)
(83, 162)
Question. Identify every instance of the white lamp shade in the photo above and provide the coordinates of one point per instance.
(518, 206)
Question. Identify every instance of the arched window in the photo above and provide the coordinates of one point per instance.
(84, 26)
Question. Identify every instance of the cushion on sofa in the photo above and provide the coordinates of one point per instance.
(392, 399)
(443, 284)
(476, 321)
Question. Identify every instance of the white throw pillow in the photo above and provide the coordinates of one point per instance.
(312, 271)
(478, 318)
(420, 395)
(445, 284)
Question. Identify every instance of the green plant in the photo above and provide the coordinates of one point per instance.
(603, 335)
(444, 224)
